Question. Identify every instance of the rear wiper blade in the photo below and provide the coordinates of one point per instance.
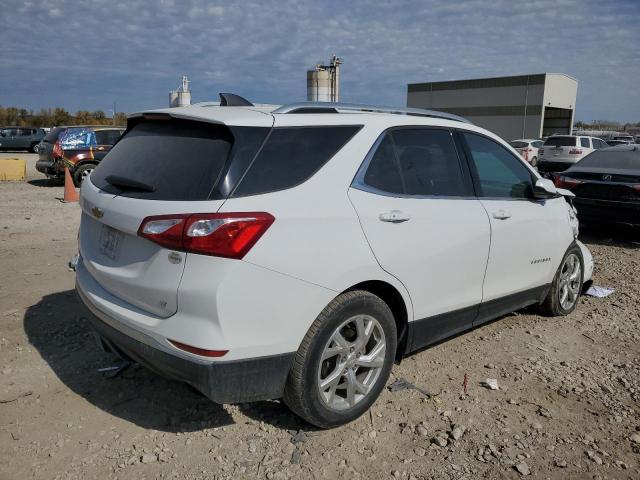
(124, 183)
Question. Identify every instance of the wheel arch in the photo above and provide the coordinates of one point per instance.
(397, 304)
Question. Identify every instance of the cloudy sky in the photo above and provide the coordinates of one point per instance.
(86, 54)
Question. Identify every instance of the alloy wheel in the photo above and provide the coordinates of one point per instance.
(85, 173)
(570, 280)
(351, 362)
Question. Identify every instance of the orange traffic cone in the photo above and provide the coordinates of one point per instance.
(70, 193)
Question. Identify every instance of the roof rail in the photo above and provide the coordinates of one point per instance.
(329, 107)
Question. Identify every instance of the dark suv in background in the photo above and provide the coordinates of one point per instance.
(21, 138)
(78, 147)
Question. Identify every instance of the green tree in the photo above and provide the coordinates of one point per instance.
(61, 117)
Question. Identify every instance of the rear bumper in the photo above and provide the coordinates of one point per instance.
(607, 211)
(245, 380)
(249, 380)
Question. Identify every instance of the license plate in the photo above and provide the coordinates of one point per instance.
(110, 240)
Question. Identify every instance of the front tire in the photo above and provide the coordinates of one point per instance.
(344, 360)
(34, 148)
(563, 295)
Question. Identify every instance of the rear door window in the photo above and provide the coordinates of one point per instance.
(416, 162)
(292, 155)
(178, 159)
(383, 172)
(428, 162)
(584, 142)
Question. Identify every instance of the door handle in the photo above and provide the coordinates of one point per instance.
(394, 216)
(502, 214)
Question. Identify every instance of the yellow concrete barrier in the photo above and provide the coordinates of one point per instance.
(12, 169)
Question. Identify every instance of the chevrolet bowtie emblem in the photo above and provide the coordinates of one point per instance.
(97, 212)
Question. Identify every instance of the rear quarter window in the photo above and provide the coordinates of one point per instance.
(292, 155)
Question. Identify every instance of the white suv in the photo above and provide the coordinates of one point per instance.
(559, 152)
(297, 252)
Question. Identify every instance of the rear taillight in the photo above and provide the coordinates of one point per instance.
(565, 182)
(575, 151)
(229, 235)
(541, 151)
(57, 150)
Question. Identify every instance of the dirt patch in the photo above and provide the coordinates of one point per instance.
(566, 404)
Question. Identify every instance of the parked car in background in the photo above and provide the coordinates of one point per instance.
(613, 143)
(559, 152)
(261, 253)
(78, 148)
(21, 138)
(624, 138)
(607, 185)
(528, 149)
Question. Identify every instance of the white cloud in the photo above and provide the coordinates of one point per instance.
(215, 10)
(136, 50)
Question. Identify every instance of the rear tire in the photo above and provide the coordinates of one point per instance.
(564, 293)
(344, 360)
(534, 162)
(34, 148)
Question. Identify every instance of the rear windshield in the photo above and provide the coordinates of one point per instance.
(291, 156)
(617, 159)
(178, 159)
(519, 144)
(561, 142)
(107, 137)
(53, 134)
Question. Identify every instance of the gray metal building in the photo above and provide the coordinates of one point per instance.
(524, 106)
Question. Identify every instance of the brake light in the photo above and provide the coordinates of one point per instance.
(229, 235)
(575, 151)
(541, 152)
(198, 351)
(57, 149)
(565, 182)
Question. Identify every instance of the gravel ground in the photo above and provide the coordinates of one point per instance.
(566, 407)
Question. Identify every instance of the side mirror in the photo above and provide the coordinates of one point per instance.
(544, 188)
